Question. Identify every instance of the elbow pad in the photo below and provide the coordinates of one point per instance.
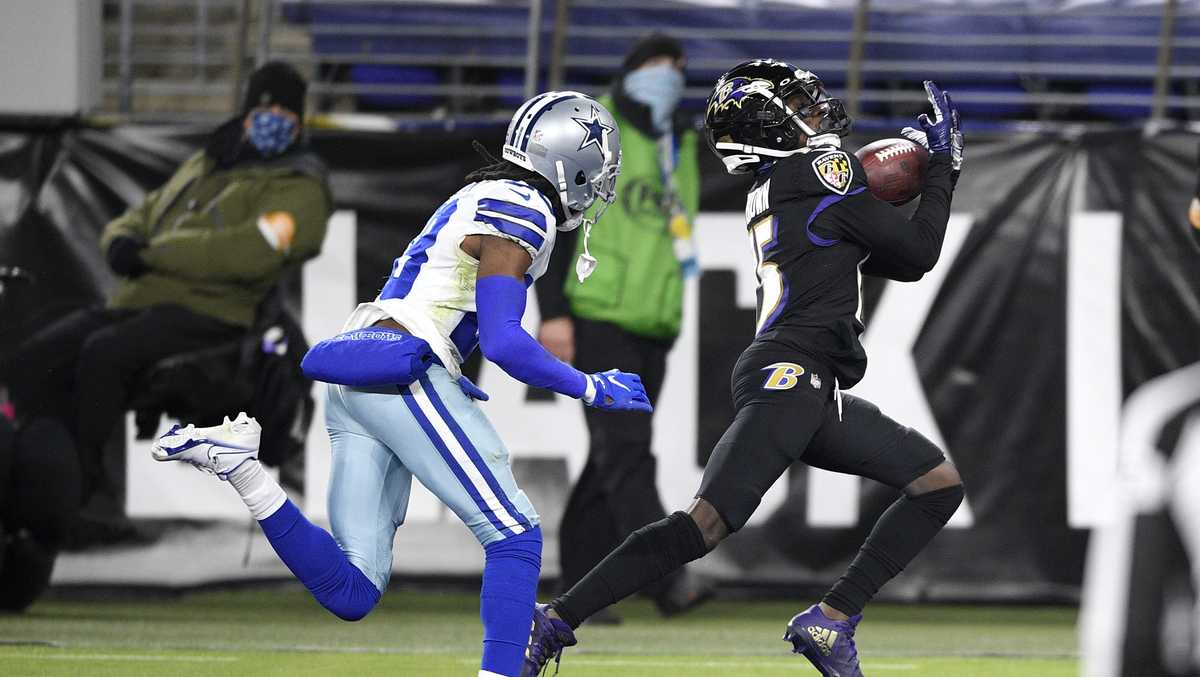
(500, 304)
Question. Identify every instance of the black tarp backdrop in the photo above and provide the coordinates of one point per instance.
(991, 354)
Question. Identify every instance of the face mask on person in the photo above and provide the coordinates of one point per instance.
(659, 87)
(271, 133)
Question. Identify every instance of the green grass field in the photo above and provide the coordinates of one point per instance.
(281, 631)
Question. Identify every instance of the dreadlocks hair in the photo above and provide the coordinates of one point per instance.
(497, 170)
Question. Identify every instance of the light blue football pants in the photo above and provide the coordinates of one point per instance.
(383, 437)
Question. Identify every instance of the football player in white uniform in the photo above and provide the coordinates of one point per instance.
(398, 406)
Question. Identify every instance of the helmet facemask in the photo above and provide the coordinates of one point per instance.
(807, 99)
(604, 187)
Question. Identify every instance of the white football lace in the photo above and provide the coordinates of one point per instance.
(893, 151)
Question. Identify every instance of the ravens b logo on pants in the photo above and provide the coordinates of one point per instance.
(783, 376)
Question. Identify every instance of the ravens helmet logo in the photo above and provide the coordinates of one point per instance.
(731, 94)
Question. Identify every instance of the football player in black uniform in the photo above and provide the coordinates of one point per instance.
(815, 229)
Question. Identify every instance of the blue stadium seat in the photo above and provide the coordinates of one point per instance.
(1119, 111)
(484, 16)
(943, 53)
(971, 110)
(367, 74)
(941, 40)
(515, 78)
(1099, 50)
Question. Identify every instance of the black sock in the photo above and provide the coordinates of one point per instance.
(902, 531)
(647, 555)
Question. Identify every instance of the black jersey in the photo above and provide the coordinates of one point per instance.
(815, 229)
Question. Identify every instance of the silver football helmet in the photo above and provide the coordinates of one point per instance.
(573, 141)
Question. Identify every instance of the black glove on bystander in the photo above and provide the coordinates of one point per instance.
(124, 257)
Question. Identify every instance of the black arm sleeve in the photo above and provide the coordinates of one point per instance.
(552, 300)
(901, 249)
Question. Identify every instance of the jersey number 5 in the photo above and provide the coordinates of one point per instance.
(772, 292)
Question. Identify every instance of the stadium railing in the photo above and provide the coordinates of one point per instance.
(1005, 61)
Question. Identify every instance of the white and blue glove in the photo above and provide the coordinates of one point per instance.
(616, 391)
(942, 134)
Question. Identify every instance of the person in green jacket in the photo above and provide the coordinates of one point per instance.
(629, 311)
(193, 262)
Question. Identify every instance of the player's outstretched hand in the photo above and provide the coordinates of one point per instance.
(619, 391)
(942, 134)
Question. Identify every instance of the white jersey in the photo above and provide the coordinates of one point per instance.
(431, 290)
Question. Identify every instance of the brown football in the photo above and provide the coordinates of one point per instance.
(895, 169)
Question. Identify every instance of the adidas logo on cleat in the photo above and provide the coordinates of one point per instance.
(823, 638)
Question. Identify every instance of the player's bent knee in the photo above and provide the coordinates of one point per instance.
(712, 526)
(351, 614)
(667, 544)
(347, 593)
(939, 505)
(943, 476)
(528, 543)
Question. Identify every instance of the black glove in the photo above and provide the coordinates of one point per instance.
(125, 258)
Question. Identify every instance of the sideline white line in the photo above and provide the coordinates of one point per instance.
(119, 657)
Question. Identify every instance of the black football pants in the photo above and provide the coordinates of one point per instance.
(787, 411)
(82, 367)
(616, 493)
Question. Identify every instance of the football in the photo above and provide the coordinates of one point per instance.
(895, 169)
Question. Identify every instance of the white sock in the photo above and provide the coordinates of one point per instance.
(485, 673)
(260, 491)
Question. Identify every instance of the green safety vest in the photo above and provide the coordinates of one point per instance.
(638, 284)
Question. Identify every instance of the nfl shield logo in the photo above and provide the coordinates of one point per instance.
(834, 171)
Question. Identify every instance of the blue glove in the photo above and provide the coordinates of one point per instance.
(942, 134)
(471, 390)
(617, 391)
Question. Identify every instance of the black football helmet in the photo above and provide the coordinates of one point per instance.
(748, 119)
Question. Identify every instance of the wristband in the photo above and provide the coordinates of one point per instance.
(589, 395)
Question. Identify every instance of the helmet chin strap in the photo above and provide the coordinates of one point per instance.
(586, 264)
(829, 139)
(750, 155)
(741, 163)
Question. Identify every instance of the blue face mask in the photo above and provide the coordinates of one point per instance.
(271, 133)
(659, 87)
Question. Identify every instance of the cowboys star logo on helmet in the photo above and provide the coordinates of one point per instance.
(595, 132)
(543, 137)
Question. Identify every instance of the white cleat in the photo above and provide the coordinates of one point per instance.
(218, 450)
